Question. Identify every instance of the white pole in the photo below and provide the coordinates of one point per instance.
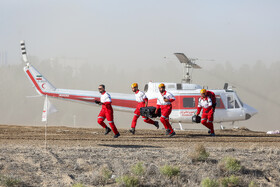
(181, 127)
(46, 135)
(74, 118)
(46, 124)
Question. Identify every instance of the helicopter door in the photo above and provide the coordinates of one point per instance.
(234, 109)
(188, 106)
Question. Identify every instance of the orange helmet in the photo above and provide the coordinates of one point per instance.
(134, 85)
(161, 85)
(203, 91)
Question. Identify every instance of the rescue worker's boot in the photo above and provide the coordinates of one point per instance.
(107, 130)
(117, 135)
(212, 132)
(132, 130)
(156, 124)
(172, 134)
(209, 131)
(167, 132)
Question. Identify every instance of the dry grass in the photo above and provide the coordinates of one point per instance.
(9, 181)
(81, 157)
(253, 184)
(105, 175)
(207, 182)
(169, 171)
(127, 165)
(230, 165)
(128, 181)
(78, 185)
(200, 153)
(230, 181)
(138, 169)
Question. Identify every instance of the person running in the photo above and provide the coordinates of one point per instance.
(205, 103)
(142, 101)
(106, 112)
(164, 101)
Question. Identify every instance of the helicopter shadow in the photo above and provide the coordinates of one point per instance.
(232, 135)
(129, 146)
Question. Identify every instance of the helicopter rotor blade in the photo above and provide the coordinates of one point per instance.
(185, 60)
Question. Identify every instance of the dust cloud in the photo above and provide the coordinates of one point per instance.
(256, 85)
(80, 44)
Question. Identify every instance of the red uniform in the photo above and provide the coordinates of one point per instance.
(106, 112)
(213, 98)
(166, 109)
(141, 99)
(207, 113)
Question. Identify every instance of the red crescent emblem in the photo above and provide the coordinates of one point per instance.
(43, 85)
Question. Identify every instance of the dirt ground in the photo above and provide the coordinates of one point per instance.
(79, 155)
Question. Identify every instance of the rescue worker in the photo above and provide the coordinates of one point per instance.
(207, 118)
(164, 101)
(142, 100)
(106, 112)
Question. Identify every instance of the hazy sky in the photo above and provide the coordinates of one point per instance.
(142, 32)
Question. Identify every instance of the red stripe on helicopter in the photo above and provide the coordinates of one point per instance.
(34, 82)
(179, 103)
(124, 103)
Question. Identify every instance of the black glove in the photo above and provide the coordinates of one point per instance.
(194, 118)
(159, 113)
(214, 107)
(97, 102)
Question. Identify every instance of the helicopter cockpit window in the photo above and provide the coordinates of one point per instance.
(239, 100)
(218, 102)
(146, 88)
(236, 104)
(179, 86)
(230, 102)
(189, 102)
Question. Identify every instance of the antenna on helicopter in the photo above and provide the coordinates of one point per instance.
(188, 63)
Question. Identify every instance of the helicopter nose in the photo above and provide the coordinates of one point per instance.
(249, 111)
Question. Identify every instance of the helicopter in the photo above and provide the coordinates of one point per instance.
(229, 107)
